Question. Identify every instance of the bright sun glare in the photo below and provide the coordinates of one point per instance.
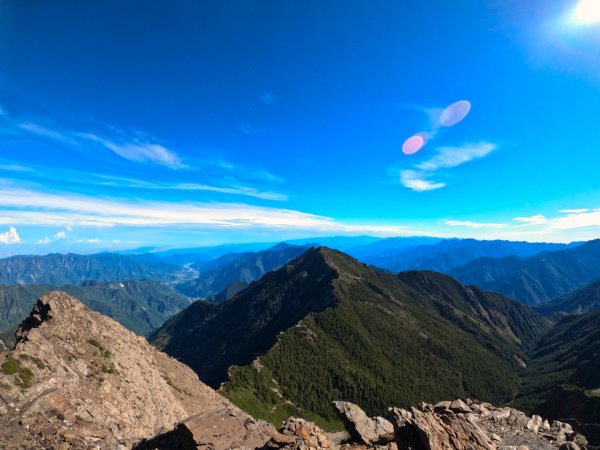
(587, 12)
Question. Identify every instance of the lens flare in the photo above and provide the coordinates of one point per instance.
(413, 144)
(455, 113)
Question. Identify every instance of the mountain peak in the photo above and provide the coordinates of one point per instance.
(58, 306)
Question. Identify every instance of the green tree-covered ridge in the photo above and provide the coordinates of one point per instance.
(327, 327)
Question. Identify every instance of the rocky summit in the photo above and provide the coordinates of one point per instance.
(448, 425)
(77, 379)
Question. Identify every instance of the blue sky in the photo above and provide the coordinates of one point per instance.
(188, 123)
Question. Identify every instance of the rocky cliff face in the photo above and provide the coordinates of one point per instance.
(77, 379)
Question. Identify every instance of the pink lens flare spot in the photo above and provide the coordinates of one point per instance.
(455, 113)
(413, 144)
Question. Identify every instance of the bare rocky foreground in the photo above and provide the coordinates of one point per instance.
(77, 379)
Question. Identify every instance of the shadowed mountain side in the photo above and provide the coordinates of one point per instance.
(326, 326)
(563, 378)
(581, 301)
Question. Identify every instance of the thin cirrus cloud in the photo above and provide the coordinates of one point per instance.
(574, 211)
(132, 148)
(91, 179)
(33, 207)
(132, 183)
(10, 237)
(576, 220)
(537, 219)
(419, 178)
(139, 151)
(570, 219)
(474, 225)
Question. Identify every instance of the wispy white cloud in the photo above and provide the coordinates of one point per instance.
(574, 211)
(475, 225)
(59, 236)
(15, 168)
(10, 237)
(235, 190)
(571, 225)
(417, 181)
(136, 147)
(136, 150)
(33, 207)
(63, 136)
(589, 219)
(448, 157)
(92, 241)
(109, 180)
(537, 219)
(419, 178)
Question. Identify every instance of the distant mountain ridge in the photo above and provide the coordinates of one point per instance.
(59, 269)
(326, 326)
(140, 306)
(223, 277)
(537, 279)
(448, 254)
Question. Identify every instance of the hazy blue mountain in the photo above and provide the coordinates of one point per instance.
(200, 255)
(537, 279)
(448, 254)
(382, 247)
(341, 243)
(223, 277)
(58, 269)
(326, 326)
(487, 269)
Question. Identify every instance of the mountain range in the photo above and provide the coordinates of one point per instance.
(443, 255)
(140, 306)
(326, 326)
(582, 301)
(232, 272)
(78, 380)
(58, 269)
(537, 279)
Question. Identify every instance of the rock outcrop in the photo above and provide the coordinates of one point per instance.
(299, 434)
(456, 425)
(362, 428)
(77, 379)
